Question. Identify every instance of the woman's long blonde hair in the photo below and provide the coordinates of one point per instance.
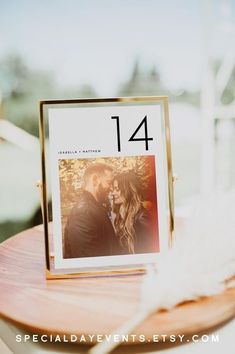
(126, 212)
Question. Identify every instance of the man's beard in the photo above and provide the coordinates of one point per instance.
(102, 195)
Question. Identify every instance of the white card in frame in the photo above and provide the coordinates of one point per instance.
(107, 169)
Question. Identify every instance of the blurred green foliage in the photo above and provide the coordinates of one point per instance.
(149, 83)
(23, 87)
(228, 96)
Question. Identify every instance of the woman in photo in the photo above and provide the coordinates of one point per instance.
(133, 223)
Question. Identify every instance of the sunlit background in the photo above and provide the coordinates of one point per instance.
(86, 48)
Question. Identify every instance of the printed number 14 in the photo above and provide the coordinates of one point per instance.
(133, 138)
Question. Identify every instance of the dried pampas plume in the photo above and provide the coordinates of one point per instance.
(200, 263)
(202, 258)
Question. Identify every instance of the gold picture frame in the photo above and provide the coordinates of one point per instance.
(145, 101)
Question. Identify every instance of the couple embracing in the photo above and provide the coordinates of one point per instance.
(109, 217)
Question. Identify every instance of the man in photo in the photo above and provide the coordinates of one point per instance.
(89, 231)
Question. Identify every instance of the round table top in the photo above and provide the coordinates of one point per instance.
(89, 305)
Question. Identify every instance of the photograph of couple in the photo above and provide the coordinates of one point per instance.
(108, 206)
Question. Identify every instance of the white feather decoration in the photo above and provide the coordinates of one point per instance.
(199, 264)
(202, 258)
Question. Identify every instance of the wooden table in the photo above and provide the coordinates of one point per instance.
(89, 305)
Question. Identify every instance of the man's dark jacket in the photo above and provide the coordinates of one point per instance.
(89, 231)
